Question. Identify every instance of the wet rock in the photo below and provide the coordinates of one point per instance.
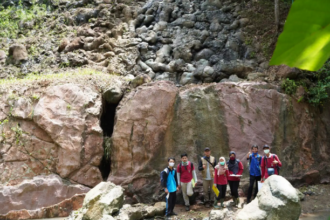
(17, 53)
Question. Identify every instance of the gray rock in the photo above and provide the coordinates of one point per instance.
(218, 214)
(243, 21)
(2, 55)
(254, 76)
(276, 200)
(139, 80)
(104, 199)
(204, 54)
(187, 78)
(113, 95)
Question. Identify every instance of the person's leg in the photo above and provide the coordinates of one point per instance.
(212, 194)
(172, 201)
(190, 190)
(167, 206)
(231, 186)
(257, 178)
(184, 193)
(206, 191)
(223, 194)
(236, 185)
(249, 195)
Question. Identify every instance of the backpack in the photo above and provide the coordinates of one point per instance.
(277, 167)
(191, 164)
(162, 179)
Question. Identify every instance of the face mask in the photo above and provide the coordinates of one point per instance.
(184, 163)
(232, 158)
(171, 164)
(266, 151)
(222, 163)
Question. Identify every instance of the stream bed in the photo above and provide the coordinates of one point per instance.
(324, 215)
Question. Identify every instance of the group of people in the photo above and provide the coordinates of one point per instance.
(216, 176)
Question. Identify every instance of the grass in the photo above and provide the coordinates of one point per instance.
(11, 17)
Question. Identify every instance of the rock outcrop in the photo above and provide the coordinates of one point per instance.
(276, 200)
(159, 120)
(51, 127)
(41, 197)
(105, 201)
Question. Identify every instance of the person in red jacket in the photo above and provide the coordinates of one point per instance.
(235, 168)
(220, 181)
(270, 164)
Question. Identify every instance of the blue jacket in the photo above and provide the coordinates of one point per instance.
(255, 163)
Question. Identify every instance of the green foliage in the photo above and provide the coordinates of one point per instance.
(289, 86)
(107, 147)
(305, 41)
(11, 17)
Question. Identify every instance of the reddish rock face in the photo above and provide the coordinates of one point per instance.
(158, 120)
(43, 196)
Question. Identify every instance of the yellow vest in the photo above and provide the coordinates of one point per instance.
(210, 167)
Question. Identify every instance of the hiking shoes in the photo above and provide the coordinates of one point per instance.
(187, 208)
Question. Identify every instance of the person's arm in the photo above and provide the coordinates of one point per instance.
(200, 165)
(279, 162)
(248, 156)
(164, 176)
(240, 168)
(262, 168)
(215, 162)
(176, 179)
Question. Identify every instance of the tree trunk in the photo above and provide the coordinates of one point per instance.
(277, 15)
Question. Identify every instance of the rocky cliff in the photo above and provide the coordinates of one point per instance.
(159, 120)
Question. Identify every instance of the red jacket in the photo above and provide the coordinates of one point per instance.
(222, 179)
(240, 171)
(270, 159)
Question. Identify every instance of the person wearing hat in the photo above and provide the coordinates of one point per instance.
(235, 168)
(206, 165)
(270, 164)
(185, 173)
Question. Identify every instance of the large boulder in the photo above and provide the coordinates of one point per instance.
(43, 193)
(159, 120)
(141, 211)
(104, 199)
(276, 200)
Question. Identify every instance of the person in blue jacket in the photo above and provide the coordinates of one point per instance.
(255, 172)
(170, 182)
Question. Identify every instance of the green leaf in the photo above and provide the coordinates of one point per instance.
(305, 40)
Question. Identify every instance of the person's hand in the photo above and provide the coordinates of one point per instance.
(262, 179)
(166, 190)
(179, 186)
(248, 155)
(204, 166)
(215, 185)
(275, 162)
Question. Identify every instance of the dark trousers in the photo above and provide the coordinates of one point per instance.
(222, 191)
(170, 202)
(253, 179)
(234, 188)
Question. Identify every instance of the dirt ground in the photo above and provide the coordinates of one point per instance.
(315, 206)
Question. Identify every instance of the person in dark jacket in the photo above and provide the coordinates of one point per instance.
(170, 184)
(206, 166)
(235, 168)
(255, 171)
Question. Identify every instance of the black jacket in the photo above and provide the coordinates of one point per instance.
(200, 165)
(165, 175)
